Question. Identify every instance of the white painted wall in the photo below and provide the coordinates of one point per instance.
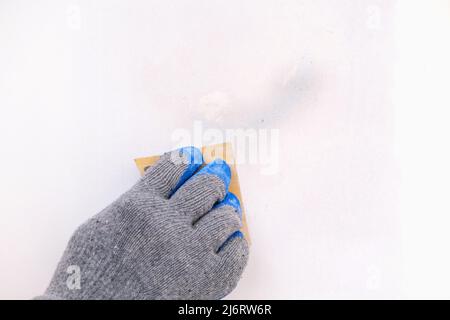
(358, 90)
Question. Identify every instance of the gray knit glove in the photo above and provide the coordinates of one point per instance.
(174, 235)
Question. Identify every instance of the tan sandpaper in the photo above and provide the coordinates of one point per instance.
(222, 151)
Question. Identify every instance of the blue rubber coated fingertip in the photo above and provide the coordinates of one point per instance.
(232, 201)
(194, 159)
(236, 234)
(220, 169)
(193, 155)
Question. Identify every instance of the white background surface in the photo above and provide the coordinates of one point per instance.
(358, 90)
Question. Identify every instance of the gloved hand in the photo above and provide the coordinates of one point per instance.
(174, 235)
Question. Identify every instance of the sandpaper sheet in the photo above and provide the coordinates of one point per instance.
(210, 153)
